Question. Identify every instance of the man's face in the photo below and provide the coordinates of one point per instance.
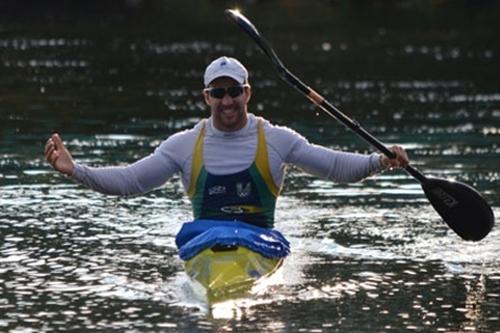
(228, 113)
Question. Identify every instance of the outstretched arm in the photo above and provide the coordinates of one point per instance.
(139, 177)
(339, 166)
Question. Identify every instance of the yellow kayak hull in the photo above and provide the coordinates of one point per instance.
(229, 272)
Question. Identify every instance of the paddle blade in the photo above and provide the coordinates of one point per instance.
(461, 207)
(244, 23)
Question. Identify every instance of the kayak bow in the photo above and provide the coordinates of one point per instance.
(229, 272)
(228, 257)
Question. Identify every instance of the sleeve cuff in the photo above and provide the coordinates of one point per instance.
(376, 160)
(78, 172)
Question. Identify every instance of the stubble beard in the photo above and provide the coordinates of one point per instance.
(230, 119)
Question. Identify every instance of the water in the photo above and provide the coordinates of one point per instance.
(115, 80)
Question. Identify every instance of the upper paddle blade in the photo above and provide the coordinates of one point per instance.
(243, 22)
(461, 207)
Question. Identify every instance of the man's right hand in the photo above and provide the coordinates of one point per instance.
(58, 156)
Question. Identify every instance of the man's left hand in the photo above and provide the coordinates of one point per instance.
(400, 161)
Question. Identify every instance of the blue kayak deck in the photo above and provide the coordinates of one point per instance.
(199, 235)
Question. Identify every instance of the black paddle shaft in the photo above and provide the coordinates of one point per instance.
(344, 119)
(461, 206)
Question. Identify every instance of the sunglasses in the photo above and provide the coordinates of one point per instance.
(219, 93)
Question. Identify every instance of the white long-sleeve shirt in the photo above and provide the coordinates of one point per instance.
(227, 153)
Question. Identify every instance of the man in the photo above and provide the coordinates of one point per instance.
(232, 164)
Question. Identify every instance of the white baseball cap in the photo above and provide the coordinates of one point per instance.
(225, 66)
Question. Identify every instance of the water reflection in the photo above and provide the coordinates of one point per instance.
(100, 254)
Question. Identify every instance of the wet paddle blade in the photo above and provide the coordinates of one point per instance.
(461, 207)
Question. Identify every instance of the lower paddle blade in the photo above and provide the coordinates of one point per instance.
(461, 207)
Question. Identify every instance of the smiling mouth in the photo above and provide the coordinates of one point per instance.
(228, 111)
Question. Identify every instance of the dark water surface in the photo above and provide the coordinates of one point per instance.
(116, 78)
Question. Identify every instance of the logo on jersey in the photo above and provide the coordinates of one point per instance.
(241, 209)
(217, 189)
(243, 191)
(233, 210)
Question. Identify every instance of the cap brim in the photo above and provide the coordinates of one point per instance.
(229, 75)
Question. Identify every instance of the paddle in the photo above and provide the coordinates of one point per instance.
(461, 206)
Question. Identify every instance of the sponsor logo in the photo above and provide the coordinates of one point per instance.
(447, 199)
(217, 189)
(233, 209)
(241, 209)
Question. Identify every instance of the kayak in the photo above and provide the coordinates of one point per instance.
(229, 272)
(227, 258)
